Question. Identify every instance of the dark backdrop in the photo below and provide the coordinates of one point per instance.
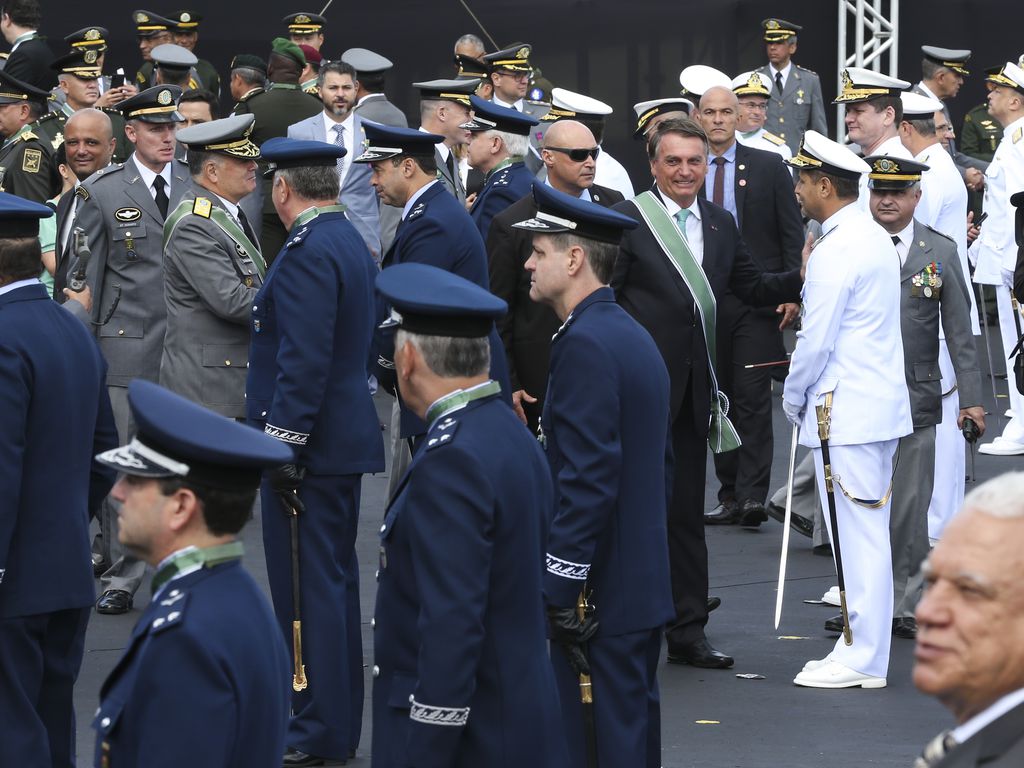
(620, 51)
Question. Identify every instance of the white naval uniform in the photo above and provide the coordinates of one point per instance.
(608, 172)
(943, 206)
(996, 249)
(850, 344)
(759, 140)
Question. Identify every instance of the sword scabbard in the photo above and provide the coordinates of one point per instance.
(299, 681)
(847, 629)
(586, 690)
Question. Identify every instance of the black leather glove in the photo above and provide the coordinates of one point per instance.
(571, 633)
(285, 480)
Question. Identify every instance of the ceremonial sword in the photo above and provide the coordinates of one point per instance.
(785, 527)
(293, 505)
(824, 414)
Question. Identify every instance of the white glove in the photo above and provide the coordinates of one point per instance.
(794, 413)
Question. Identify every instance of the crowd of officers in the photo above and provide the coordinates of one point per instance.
(561, 352)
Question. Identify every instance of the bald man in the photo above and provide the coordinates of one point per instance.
(527, 329)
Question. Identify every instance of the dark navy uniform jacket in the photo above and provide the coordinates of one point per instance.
(462, 675)
(501, 189)
(606, 433)
(438, 232)
(54, 417)
(204, 681)
(312, 326)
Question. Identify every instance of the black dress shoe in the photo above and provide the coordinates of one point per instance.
(905, 627)
(835, 624)
(295, 757)
(713, 602)
(726, 513)
(114, 601)
(99, 567)
(698, 654)
(798, 523)
(823, 550)
(752, 514)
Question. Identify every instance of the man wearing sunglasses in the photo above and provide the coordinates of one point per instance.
(569, 153)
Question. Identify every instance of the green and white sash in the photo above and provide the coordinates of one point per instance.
(722, 435)
(222, 219)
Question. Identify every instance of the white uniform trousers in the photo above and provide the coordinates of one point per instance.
(865, 471)
(950, 456)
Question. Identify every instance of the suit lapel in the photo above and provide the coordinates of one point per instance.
(740, 180)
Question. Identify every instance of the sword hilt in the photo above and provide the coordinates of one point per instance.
(824, 414)
(299, 681)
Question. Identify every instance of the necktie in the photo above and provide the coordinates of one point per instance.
(718, 193)
(450, 162)
(681, 217)
(161, 197)
(935, 750)
(244, 221)
(895, 239)
(339, 140)
(778, 82)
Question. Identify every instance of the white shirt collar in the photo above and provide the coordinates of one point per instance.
(836, 218)
(518, 105)
(927, 91)
(23, 38)
(906, 239)
(416, 196)
(1012, 127)
(584, 195)
(18, 284)
(347, 124)
(784, 71)
(673, 207)
(148, 176)
(987, 716)
(232, 208)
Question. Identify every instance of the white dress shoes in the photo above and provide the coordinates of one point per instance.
(831, 597)
(1002, 447)
(832, 674)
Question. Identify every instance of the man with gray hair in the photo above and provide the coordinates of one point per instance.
(312, 326)
(499, 143)
(213, 269)
(470, 45)
(970, 642)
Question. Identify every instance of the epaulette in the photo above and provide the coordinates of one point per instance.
(941, 234)
(250, 94)
(297, 238)
(47, 117)
(805, 69)
(446, 427)
(502, 178)
(776, 140)
(1017, 135)
(417, 210)
(28, 136)
(202, 207)
(101, 172)
(171, 611)
(313, 90)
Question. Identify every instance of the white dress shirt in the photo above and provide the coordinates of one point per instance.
(906, 238)
(347, 128)
(694, 228)
(784, 72)
(149, 176)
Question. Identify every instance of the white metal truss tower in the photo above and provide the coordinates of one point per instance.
(868, 37)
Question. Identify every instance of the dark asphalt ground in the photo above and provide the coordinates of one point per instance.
(710, 718)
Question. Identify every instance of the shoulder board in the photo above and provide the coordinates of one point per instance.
(202, 207)
(297, 238)
(82, 193)
(776, 140)
(249, 95)
(940, 234)
(805, 69)
(111, 111)
(29, 136)
(442, 434)
(47, 118)
(109, 170)
(171, 610)
(312, 90)
(1018, 134)
(417, 210)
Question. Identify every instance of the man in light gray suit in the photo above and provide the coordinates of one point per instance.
(444, 108)
(122, 209)
(371, 102)
(338, 124)
(795, 104)
(933, 289)
(970, 647)
(213, 269)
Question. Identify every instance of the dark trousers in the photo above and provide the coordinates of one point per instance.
(747, 336)
(687, 551)
(627, 705)
(327, 716)
(39, 661)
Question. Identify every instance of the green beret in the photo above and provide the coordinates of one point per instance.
(288, 48)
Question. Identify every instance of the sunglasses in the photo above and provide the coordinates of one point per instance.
(577, 155)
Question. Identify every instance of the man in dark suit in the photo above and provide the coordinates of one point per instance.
(30, 55)
(970, 640)
(56, 416)
(757, 189)
(673, 297)
(527, 328)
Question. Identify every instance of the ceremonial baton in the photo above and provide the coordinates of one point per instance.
(824, 414)
(294, 505)
(772, 364)
(587, 695)
(475, 19)
(785, 528)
